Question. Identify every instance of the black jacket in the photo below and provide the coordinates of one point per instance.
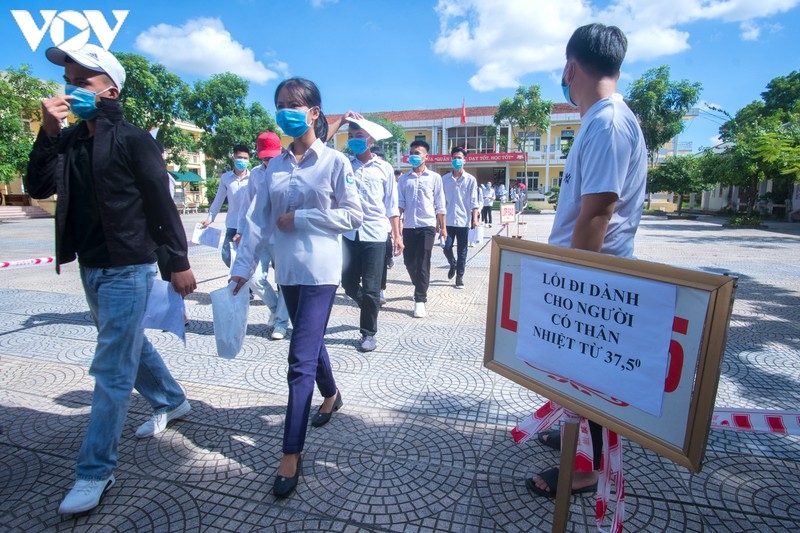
(130, 180)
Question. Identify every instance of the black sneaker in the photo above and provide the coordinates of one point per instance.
(451, 272)
(459, 282)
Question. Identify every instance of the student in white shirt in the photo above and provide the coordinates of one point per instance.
(602, 191)
(308, 200)
(233, 185)
(268, 145)
(463, 206)
(420, 197)
(488, 203)
(365, 249)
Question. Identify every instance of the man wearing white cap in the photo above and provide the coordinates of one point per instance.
(268, 145)
(365, 249)
(112, 212)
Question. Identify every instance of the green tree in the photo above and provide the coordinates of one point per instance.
(660, 104)
(782, 97)
(526, 112)
(782, 149)
(20, 103)
(680, 175)
(152, 98)
(394, 144)
(219, 107)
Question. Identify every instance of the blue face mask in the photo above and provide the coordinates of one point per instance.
(565, 89)
(241, 164)
(82, 103)
(292, 122)
(357, 145)
(415, 160)
(458, 164)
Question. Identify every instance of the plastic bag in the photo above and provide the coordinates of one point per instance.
(476, 235)
(230, 319)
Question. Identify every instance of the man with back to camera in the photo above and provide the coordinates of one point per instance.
(463, 207)
(602, 191)
(365, 249)
(420, 197)
(268, 145)
(113, 210)
(233, 186)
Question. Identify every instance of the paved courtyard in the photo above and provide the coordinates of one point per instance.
(422, 443)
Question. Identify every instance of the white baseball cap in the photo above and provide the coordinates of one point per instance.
(373, 129)
(92, 57)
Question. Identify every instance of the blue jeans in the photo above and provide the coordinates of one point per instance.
(124, 359)
(361, 279)
(309, 308)
(272, 298)
(460, 235)
(226, 246)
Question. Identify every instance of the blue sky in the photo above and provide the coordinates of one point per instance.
(392, 55)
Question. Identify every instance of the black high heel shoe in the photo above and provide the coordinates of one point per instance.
(284, 486)
(320, 419)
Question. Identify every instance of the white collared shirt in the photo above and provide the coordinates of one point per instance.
(235, 188)
(321, 190)
(461, 197)
(421, 197)
(258, 176)
(376, 187)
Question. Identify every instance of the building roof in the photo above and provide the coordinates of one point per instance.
(450, 112)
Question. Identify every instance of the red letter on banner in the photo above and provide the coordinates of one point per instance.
(505, 310)
(675, 365)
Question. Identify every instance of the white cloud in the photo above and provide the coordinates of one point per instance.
(202, 46)
(750, 30)
(507, 39)
(321, 3)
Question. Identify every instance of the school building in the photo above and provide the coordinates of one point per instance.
(494, 154)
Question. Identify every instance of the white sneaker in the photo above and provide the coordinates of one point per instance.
(368, 343)
(85, 495)
(383, 298)
(158, 422)
(278, 333)
(419, 310)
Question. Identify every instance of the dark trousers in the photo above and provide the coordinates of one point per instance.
(309, 309)
(387, 261)
(226, 246)
(596, 431)
(417, 257)
(486, 214)
(459, 235)
(361, 278)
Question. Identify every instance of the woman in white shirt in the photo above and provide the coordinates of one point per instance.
(309, 199)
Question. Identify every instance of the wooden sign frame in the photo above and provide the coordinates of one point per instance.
(703, 307)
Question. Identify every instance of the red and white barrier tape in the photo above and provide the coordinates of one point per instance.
(8, 265)
(610, 465)
(757, 421)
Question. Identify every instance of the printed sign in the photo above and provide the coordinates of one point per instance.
(602, 329)
(695, 340)
(508, 213)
